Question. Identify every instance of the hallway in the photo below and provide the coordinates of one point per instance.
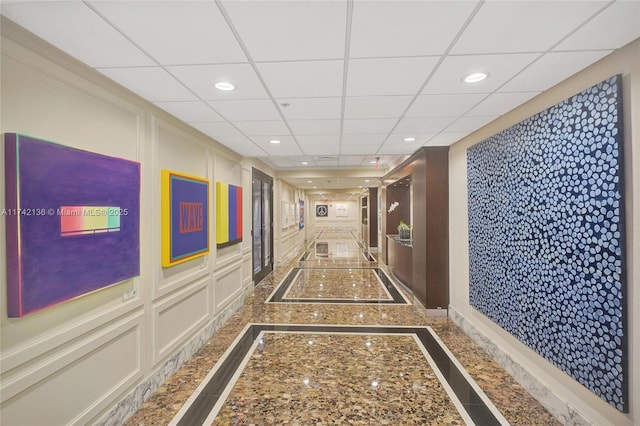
(331, 339)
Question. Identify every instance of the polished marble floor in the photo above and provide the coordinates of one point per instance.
(330, 339)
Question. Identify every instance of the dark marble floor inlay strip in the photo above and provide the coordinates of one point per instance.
(477, 406)
(369, 257)
(396, 296)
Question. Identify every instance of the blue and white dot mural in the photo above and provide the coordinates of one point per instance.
(546, 236)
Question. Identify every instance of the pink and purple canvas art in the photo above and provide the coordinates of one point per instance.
(72, 220)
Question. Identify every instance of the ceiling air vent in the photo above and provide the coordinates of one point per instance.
(326, 158)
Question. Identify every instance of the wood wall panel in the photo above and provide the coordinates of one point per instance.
(428, 172)
(420, 218)
(437, 230)
(383, 226)
(373, 217)
(401, 262)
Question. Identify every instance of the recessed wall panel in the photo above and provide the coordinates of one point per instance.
(228, 283)
(72, 393)
(179, 316)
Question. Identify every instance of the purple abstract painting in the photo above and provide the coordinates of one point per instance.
(72, 220)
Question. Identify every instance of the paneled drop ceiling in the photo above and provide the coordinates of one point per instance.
(341, 84)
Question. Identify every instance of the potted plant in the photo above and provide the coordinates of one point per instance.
(404, 231)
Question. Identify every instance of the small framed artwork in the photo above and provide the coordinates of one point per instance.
(322, 210)
(284, 214)
(185, 217)
(228, 214)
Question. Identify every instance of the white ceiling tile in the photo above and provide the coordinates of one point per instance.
(308, 140)
(501, 103)
(174, 32)
(616, 26)
(246, 109)
(388, 76)
(290, 30)
(286, 147)
(399, 138)
(300, 159)
(443, 105)
(201, 79)
(398, 148)
(258, 128)
(242, 146)
(326, 163)
(264, 140)
(358, 149)
(368, 126)
(311, 108)
(352, 188)
(449, 76)
(218, 130)
(446, 139)
(321, 149)
(190, 111)
(152, 83)
(375, 106)
(407, 28)
(470, 124)
(282, 162)
(351, 160)
(522, 26)
(363, 139)
(297, 50)
(375, 161)
(65, 24)
(303, 79)
(423, 125)
(314, 127)
(537, 77)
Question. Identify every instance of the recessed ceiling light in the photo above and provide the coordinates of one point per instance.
(224, 86)
(409, 139)
(475, 77)
(274, 141)
(309, 181)
(304, 163)
(373, 162)
(367, 180)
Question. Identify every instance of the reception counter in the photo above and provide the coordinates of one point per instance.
(400, 259)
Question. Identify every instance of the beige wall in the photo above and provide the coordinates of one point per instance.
(625, 61)
(352, 221)
(291, 239)
(73, 362)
